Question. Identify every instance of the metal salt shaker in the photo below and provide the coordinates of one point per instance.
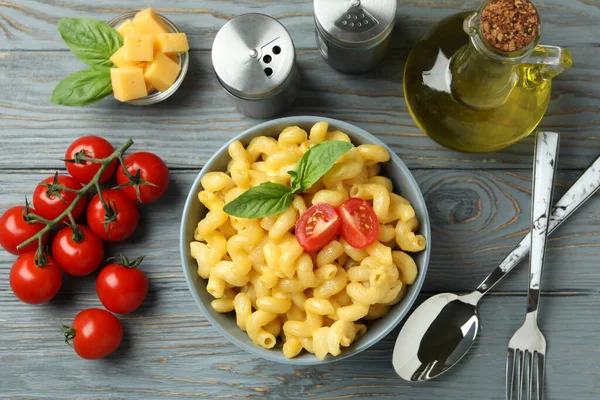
(353, 35)
(255, 61)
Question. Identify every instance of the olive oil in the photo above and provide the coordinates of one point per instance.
(471, 101)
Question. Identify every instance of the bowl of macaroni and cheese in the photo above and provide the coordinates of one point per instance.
(305, 240)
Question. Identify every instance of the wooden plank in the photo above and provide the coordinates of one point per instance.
(477, 218)
(196, 121)
(31, 24)
(171, 351)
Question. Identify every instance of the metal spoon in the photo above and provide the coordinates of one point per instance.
(441, 331)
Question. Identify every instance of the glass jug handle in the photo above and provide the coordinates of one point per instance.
(549, 61)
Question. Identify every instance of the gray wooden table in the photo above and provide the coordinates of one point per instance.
(479, 205)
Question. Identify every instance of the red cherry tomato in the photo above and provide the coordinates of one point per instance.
(79, 253)
(51, 206)
(317, 226)
(33, 284)
(92, 147)
(14, 230)
(96, 333)
(360, 226)
(151, 169)
(122, 288)
(115, 223)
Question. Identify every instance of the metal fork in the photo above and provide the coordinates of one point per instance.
(525, 364)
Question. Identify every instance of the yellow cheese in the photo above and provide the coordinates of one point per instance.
(174, 57)
(128, 83)
(171, 43)
(162, 72)
(118, 59)
(146, 21)
(138, 47)
(127, 27)
(149, 87)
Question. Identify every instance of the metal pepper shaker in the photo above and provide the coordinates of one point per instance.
(353, 35)
(255, 61)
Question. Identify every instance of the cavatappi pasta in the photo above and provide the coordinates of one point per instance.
(255, 267)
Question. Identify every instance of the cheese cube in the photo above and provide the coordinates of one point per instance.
(138, 47)
(174, 57)
(162, 72)
(171, 43)
(118, 59)
(128, 83)
(149, 87)
(146, 21)
(127, 27)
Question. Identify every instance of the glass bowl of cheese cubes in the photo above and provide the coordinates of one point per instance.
(153, 61)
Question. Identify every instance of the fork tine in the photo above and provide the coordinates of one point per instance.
(510, 373)
(521, 367)
(529, 357)
(541, 365)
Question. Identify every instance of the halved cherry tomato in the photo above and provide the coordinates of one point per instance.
(117, 221)
(78, 253)
(317, 226)
(14, 230)
(95, 333)
(33, 284)
(360, 226)
(92, 147)
(51, 205)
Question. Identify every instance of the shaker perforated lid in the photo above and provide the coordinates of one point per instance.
(253, 55)
(355, 23)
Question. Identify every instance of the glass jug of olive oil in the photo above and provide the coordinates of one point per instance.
(470, 96)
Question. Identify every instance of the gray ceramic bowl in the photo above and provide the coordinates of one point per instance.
(404, 184)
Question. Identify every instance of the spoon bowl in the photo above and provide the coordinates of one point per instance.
(437, 336)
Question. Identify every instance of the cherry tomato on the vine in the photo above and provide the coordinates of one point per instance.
(78, 253)
(50, 205)
(33, 284)
(95, 333)
(122, 287)
(114, 221)
(151, 168)
(14, 230)
(360, 225)
(92, 147)
(317, 226)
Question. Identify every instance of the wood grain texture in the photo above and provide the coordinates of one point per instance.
(31, 24)
(190, 126)
(479, 207)
(477, 218)
(171, 351)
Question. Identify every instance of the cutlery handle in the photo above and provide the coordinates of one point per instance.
(584, 188)
(544, 169)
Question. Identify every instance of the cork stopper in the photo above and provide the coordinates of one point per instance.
(509, 25)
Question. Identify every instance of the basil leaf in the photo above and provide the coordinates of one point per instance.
(83, 87)
(316, 162)
(92, 41)
(264, 200)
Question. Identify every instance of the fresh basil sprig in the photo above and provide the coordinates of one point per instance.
(270, 198)
(83, 87)
(263, 200)
(316, 162)
(93, 42)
